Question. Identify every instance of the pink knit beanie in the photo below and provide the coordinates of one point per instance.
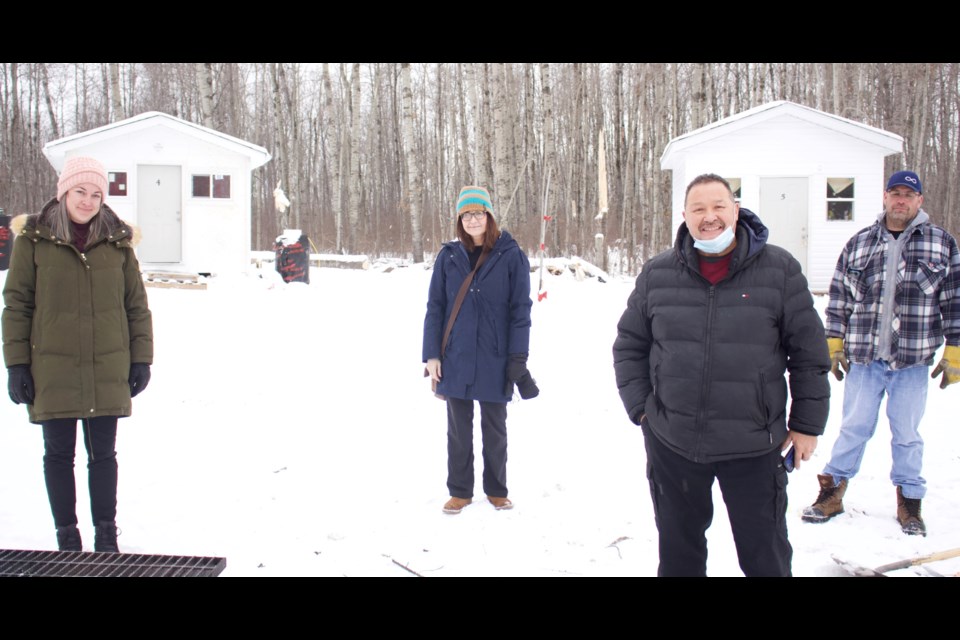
(81, 170)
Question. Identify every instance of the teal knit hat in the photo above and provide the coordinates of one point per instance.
(473, 198)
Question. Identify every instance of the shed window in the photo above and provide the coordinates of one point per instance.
(206, 185)
(221, 186)
(840, 198)
(118, 183)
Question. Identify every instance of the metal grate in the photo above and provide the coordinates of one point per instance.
(86, 564)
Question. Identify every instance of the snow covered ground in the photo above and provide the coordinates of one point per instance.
(289, 429)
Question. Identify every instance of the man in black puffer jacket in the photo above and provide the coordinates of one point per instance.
(700, 356)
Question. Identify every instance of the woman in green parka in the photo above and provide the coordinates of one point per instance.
(77, 340)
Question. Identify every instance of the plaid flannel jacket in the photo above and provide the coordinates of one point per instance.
(927, 298)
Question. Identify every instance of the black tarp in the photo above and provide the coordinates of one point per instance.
(293, 260)
(6, 241)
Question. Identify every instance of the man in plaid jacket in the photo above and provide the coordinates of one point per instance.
(894, 297)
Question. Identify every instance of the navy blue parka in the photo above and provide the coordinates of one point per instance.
(493, 323)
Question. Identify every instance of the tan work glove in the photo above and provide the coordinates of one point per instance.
(949, 366)
(837, 358)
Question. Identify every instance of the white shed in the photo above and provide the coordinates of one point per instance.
(814, 178)
(187, 187)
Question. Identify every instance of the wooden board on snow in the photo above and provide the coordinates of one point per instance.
(171, 280)
(328, 260)
(336, 261)
(880, 572)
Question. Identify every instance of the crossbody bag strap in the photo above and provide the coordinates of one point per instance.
(458, 302)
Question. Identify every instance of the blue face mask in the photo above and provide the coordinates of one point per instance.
(718, 244)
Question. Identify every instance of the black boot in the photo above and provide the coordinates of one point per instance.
(68, 538)
(106, 537)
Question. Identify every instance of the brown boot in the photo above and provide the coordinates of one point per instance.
(456, 505)
(500, 504)
(829, 503)
(908, 513)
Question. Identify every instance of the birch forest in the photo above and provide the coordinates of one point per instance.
(372, 155)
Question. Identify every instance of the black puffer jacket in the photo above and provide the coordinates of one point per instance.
(706, 363)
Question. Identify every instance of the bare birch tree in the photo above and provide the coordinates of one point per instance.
(205, 86)
(414, 181)
(549, 144)
(501, 172)
(116, 93)
(353, 207)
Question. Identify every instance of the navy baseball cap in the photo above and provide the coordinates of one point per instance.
(905, 179)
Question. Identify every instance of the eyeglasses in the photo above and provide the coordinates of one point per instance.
(906, 195)
(473, 215)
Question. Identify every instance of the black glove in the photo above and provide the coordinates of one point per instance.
(139, 377)
(518, 374)
(20, 384)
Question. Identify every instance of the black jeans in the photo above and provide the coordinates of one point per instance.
(60, 444)
(493, 425)
(755, 492)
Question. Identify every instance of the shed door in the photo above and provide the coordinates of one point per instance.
(783, 208)
(158, 212)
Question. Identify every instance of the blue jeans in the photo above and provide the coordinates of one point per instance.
(906, 391)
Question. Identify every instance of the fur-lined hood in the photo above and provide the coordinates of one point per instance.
(121, 233)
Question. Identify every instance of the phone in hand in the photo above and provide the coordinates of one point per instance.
(788, 460)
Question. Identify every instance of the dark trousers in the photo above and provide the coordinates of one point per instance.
(493, 425)
(755, 492)
(60, 444)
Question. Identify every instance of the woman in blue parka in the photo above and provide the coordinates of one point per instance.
(486, 352)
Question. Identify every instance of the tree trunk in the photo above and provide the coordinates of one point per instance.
(116, 95)
(353, 208)
(331, 132)
(205, 84)
(282, 156)
(45, 79)
(414, 184)
(466, 172)
(502, 173)
(549, 145)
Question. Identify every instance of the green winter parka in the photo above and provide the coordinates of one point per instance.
(78, 319)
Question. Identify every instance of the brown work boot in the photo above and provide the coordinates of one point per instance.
(829, 503)
(456, 505)
(500, 504)
(908, 513)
